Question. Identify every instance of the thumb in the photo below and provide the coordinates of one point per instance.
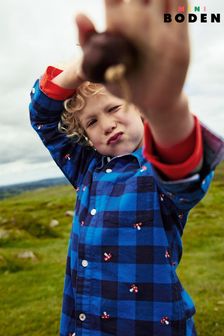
(85, 28)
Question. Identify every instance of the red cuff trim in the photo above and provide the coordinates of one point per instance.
(185, 158)
(178, 153)
(51, 89)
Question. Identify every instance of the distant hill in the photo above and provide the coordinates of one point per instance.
(15, 189)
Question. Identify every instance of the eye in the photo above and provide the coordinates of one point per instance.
(114, 108)
(91, 123)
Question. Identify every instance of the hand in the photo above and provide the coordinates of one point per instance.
(164, 49)
(72, 75)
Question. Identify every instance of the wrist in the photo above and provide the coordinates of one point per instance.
(171, 124)
(71, 77)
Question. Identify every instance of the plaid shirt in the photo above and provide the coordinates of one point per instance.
(125, 243)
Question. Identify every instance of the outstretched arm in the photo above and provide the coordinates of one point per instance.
(157, 85)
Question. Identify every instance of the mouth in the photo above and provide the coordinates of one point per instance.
(115, 138)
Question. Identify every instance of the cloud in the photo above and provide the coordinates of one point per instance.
(31, 172)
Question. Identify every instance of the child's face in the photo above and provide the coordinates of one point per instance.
(112, 129)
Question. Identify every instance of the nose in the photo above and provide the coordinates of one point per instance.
(108, 125)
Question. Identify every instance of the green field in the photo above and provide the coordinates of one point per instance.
(31, 288)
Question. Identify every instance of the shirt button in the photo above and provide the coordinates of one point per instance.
(82, 317)
(93, 212)
(84, 263)
(108, 170)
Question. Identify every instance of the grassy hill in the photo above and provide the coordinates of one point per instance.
(34, 230)
(15, 189)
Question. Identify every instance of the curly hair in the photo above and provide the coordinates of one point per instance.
(70, 123)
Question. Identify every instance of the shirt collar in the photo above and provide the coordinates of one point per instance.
(104, 160)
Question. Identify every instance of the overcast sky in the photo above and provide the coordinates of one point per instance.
(36, 34)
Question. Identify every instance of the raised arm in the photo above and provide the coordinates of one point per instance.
(46, 107)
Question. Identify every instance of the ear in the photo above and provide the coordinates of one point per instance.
(90, 143)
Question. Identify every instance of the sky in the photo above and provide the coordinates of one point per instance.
(35, 35)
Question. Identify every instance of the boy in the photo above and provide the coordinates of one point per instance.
(130, 212)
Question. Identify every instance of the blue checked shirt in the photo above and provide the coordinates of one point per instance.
(125, 242)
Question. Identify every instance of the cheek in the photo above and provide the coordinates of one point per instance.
(94, 137)
(138, 126)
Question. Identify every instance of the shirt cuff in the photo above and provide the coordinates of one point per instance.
(51, 89)
(178, 161)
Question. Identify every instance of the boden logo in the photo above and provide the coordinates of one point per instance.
(193, 14)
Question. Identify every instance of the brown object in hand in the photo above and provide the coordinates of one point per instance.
(103, 51)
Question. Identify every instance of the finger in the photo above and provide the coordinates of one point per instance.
(113, 2)
(175, 5)
(167, 6)
(120, 14)
(157, 6)
(178, 7)
(112, 16)
(85, 28)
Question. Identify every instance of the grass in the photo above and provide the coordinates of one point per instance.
(202, 265)
(31, 289)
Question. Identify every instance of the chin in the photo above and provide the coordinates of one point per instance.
(122, 151)
(119, 149)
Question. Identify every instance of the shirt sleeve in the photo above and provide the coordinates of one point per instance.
(51, 89)
(185, 193)
(178, 161)
(45, 114)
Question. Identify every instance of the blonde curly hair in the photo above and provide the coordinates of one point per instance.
(70, 122)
